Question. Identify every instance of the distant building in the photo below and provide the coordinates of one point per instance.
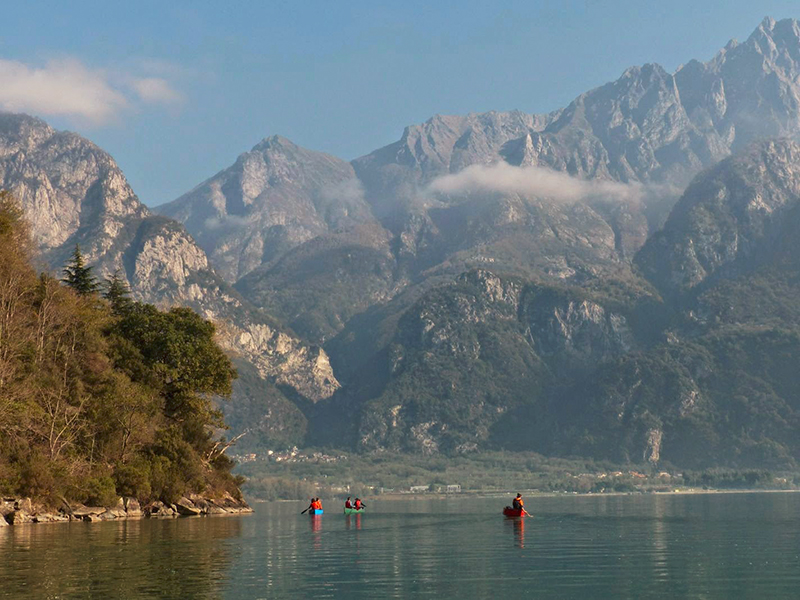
(417, 489)
(453, 489)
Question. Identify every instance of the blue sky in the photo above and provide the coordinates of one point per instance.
(176, 90)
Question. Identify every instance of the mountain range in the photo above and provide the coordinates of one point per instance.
(616, 279)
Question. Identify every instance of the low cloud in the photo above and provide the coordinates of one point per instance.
(154, 90)
(68, 88)
(540, 182)
(60, 88)
(225, 222)
(349, 191)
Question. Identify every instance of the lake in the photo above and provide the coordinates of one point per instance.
(654, 546)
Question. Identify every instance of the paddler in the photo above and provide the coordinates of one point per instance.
(347, 503)
(317, 504)
(517, 503)
(359, 504)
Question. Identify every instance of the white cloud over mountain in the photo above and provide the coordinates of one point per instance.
(68, 88)
(532, 181)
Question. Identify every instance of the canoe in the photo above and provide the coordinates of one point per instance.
(313, 512)
(353, 511)
(512, 512)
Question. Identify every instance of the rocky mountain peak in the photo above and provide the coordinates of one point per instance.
(21, 132)
(776, 41)
(71, 190)
(275, 141)
(272, 199)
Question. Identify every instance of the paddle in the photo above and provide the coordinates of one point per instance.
(305, 511)
(526, 513)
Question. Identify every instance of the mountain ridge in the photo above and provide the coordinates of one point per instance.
(576, 282)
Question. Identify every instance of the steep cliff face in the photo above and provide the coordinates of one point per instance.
(474, 352)
(740, 214)
(72, 192)
(748, 91)
(721, 388)
(727, 398)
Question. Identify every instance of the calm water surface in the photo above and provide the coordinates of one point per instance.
(705, 546)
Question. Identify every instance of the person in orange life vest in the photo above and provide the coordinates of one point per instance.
(347, 503)
(311, 505)
(518, 504)
(317, 504)
(359, 504)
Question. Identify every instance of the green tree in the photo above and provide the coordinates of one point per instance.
(78, 275)
(177, 348)
(118, 294)
(101, 399)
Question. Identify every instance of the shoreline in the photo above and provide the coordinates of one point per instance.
(21, 511)
(537, 494)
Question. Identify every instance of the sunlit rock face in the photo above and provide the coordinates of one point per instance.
(72, 192)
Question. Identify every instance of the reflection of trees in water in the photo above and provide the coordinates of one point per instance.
(632, 546)
(176, 558)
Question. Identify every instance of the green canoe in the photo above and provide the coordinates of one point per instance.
(353, 511)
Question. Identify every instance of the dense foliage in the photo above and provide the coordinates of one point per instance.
(102, 397)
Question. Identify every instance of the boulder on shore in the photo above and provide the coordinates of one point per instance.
(18, 516)
(133, 509)
(187, 508)
(14, 511)
(85, 511)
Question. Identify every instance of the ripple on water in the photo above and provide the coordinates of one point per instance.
(715, 546)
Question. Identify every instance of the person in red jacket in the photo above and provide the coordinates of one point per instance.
(347, 503)
(359, 504)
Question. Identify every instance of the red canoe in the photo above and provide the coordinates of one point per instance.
(512, 512)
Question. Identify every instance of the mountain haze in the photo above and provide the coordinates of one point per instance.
(616, 279)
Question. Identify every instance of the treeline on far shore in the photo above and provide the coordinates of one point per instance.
(101, 396)
(380, 473)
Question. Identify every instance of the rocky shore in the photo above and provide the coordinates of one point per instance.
(15, 511)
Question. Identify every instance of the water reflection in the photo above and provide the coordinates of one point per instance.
(590, 547)
(348, 523)
(519, 532)
(316, 530)
(125, 559)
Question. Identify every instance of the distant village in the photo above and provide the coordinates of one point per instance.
(295, 455)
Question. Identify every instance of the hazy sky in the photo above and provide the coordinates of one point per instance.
(176, 90)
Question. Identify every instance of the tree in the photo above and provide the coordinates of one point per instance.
(178, 352)
(118, 294)
(99, 399)
(78, 275)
